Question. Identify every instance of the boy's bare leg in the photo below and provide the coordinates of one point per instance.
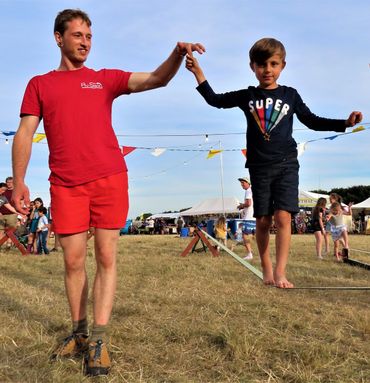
(283, 236)
(263, 225)
(106, 274)
(74, 249)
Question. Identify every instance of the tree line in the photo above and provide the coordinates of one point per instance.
(355, 194)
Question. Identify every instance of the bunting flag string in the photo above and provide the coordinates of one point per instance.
(157, 151)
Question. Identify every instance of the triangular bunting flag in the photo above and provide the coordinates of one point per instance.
(358, 129)
(8, 133)
(127, 150)
(301, 147)
(213, 152)
(244, 152)
(38, 137)
(157, 152)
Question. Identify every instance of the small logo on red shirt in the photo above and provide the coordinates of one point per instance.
(91, 85)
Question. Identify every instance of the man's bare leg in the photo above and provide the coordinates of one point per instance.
(74, 249)
(106, 274)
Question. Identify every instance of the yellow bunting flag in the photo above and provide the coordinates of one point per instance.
(213, 152)
(38, 137)
(358, 129)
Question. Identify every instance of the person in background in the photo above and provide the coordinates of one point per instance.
(43, 231)
(246, 213)
(318, 224)
(338, 230)
(33, 219)
(8, 219)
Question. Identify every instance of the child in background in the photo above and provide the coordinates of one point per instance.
(338, 229)
(318, 217)
(243, 239)
(271, 149)
(43, 231)
(220, 229)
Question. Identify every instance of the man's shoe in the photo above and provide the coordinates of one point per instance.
(97, 361)
(73, 346)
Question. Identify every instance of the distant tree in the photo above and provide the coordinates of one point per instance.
(186, 208)
(353, 194)
(319, 191)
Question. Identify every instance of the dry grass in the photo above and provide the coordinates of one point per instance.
(194, 319)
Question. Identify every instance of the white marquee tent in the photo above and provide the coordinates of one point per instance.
(214, 206)
(364, 205)
(309, 199)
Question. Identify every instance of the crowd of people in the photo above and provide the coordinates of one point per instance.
(32, 229)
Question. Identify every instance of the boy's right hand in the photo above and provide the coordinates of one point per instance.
(191, 64)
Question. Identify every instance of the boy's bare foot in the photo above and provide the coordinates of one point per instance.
(283, 283)
(268, 279)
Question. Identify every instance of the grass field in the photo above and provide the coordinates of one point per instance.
(194, 319)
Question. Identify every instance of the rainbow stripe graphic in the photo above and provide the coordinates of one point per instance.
(267, 114)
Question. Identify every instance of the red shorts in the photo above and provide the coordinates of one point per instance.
(102, 203)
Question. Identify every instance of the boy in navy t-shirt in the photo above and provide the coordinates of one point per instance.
(272, 150)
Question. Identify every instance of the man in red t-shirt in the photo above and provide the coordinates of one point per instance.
(75, 103)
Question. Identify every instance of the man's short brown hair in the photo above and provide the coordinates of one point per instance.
(263, 49)
(63, 17)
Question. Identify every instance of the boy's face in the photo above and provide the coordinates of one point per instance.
(269, 71)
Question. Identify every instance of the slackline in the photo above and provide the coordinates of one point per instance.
(360, 251)
(259, 274)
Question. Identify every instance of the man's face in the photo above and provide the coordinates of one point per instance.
(9, 184)
(245, 185)
(75, 43)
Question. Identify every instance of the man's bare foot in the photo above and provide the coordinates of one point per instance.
(283, 283)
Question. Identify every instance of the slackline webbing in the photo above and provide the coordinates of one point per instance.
(259, 274)
(360, 251)
(246, 264)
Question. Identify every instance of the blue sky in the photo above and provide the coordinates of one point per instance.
(327, 62)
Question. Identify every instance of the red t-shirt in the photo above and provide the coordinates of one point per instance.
(76, 107)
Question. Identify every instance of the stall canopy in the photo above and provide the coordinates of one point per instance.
(165, 216)
(309, 199)
(364, 205)
(214, 206)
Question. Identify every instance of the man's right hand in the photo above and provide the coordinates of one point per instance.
(21, 197)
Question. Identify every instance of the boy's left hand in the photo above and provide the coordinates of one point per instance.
(354, 118)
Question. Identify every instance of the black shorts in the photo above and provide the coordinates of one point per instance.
(275, 188)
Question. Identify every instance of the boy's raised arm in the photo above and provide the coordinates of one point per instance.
(193, 66)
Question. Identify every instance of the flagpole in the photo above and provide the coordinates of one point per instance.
(222, 180)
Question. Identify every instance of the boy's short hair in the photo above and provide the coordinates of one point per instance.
(63, 17)
(264, 48)
(43, 210)
(3, 185)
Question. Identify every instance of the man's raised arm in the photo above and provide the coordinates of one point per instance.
(142, 81)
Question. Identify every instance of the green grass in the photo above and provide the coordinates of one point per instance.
(194, 319)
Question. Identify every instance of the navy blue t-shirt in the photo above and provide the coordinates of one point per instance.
(269, 114)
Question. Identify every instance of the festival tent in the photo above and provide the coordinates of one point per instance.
(309, 199)
(210, 206)
(364, 205)
(165, 216)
